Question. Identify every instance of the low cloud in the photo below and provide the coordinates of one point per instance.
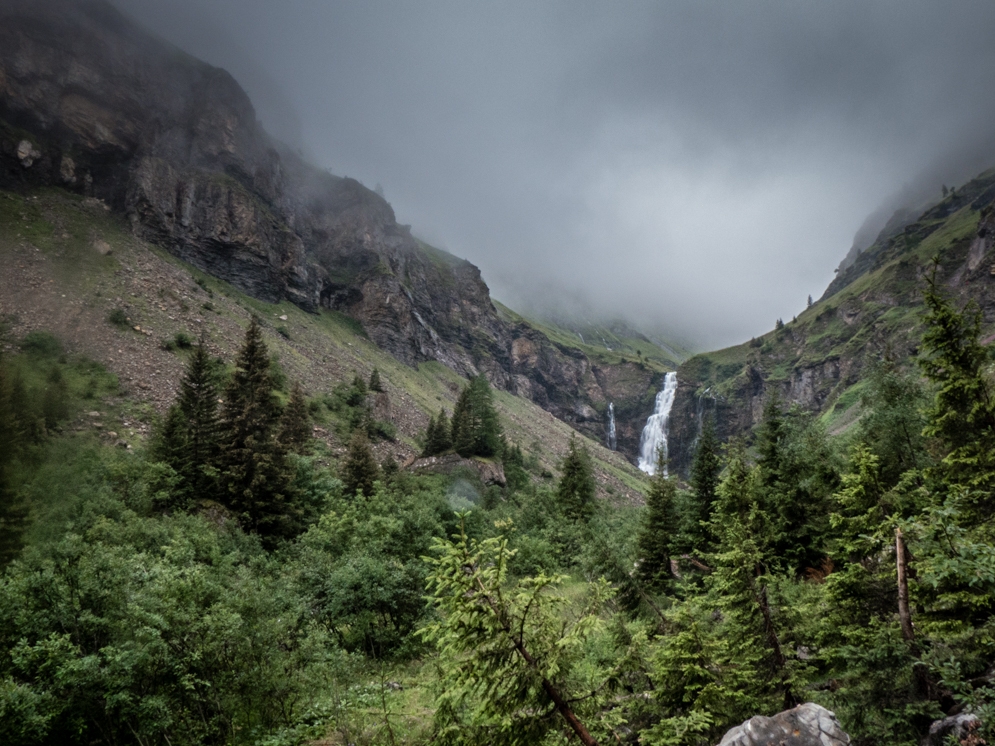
(695, 167)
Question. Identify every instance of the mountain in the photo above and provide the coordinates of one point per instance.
(95, 105)
(874, 305)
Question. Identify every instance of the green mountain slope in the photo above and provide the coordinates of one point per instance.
(816, 360)
(71, 265)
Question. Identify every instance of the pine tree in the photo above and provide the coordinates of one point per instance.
(295, 423)
(375, 384)
(656, 539)
(255, 474)
(575, 492)
(359, 471)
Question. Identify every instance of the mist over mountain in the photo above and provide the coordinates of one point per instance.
(695, 165)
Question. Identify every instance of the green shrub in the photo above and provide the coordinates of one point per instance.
(41, 344)
(179, 341)
(119, 318)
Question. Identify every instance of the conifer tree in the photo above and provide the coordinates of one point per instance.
(443, 433)
(463, 426)
(962, 417)
(489, 435)
(255, 474)
(430, 438)
(437, 435)
(295, 423)
(358, 392)
(359, 471)
(575, 491)
(168, 443)
(476, 429)
(198, 402)
(13, 510)
(656, 539)
(375, 383)
(797, 478)
(704, 480)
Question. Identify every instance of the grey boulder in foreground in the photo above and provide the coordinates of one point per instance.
(806, 725)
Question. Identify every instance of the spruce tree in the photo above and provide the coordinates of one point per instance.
(575, 491)
(962, 417)
(476, 428)
(13, 509)
(430, 438)
(704, 479)
(375, 383)
(198, 402)
(797, 478)
(295, 423)
(359, 471)
(168, 443)
(656, 539)
(255, 474)
(443, 433)
(488, 440)
(437, 437)
(463, 425)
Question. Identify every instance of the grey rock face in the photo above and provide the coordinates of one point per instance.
(806, 725)
(92, 103)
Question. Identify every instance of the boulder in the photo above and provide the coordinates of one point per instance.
(806, 725)
(962, 727)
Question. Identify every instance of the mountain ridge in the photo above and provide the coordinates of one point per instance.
(872, 307)
(93, 104)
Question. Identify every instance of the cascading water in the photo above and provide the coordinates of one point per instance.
(612, 441)
(654, 437)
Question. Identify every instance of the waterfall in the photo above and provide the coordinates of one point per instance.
(654, 437)
(612, 442)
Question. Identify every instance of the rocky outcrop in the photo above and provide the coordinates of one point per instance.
(962, 728)
(490, 472)
(806, 725)
(814, 360)
(92, 103)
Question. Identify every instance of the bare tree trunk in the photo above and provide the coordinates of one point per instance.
(904, 615)
(775, 645)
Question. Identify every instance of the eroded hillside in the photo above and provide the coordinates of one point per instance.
(71, 264)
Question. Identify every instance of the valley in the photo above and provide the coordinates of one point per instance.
(276, 472)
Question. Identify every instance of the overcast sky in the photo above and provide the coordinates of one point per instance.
(694, 166)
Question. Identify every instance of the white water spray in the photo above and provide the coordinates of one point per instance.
(612, 440)
(654, 437)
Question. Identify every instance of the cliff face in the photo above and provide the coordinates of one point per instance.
(91, 103)
(817, 360)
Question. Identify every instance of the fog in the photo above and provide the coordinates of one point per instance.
(699, 167)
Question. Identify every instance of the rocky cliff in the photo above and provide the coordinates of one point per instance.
(816, 360)
(91, 103)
